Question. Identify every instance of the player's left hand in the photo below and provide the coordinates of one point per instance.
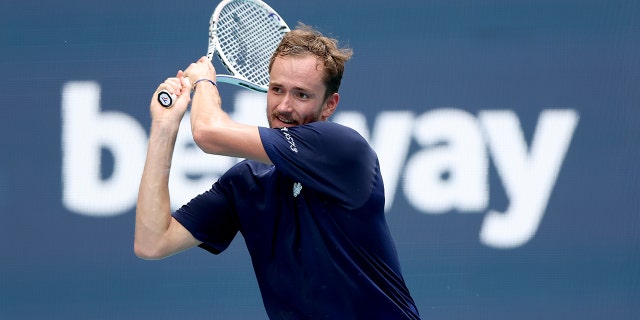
(201, 69)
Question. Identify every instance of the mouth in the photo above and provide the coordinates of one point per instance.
(286, 121)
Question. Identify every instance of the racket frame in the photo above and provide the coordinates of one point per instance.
(235, 77)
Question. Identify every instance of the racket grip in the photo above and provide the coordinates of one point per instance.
(167, 99)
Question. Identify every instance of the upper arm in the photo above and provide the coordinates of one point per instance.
(176, 239)
(179, 238)
(216, 133)
(232, 139)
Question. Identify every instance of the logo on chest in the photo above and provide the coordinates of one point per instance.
(297, 187)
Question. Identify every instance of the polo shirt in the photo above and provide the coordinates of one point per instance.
(313, 223)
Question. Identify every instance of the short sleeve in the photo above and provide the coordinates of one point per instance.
(210, 219)
(328, 157)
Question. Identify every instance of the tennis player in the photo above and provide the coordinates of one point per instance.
(308, 200)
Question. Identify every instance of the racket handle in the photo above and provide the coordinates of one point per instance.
(167, 99)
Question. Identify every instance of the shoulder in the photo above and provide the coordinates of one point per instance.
(320, 134)
(329, 130)
(324, 128)
(339, 139)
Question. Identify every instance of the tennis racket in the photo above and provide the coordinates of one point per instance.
(244, 34)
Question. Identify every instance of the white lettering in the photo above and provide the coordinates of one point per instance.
(86, 131)
(449, 171)
(292, 144)
(528, 177)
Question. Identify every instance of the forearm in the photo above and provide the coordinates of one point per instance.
(208, 120)
(153, 211)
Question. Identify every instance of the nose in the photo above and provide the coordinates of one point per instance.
(286, 104)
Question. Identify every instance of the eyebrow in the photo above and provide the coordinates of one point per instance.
(298, 88)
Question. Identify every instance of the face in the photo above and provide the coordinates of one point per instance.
(297, 92)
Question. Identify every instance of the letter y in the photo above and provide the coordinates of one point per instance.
(528, 177)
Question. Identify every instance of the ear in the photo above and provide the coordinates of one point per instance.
(330, 105)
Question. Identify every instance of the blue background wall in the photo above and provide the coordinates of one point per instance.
(468, 58)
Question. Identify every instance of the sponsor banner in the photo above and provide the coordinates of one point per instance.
(507, 133)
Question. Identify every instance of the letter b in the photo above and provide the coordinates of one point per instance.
(85, 132)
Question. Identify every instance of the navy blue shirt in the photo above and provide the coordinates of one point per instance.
(313, 223)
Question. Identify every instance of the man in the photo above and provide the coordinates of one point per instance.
(309, 199)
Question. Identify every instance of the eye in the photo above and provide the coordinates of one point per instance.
(276, 89)
(303, 96)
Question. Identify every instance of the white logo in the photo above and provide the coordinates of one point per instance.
(448, 172)
(292, 144)
(297, 187)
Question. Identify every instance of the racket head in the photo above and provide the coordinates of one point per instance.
(244, 34)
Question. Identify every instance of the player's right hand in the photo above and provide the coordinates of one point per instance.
(180, 87)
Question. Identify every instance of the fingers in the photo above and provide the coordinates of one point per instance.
(176, 85)
(184, 81)
(180, 85)
(172, 85)
(201, 69)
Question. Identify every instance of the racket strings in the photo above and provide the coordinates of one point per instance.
(248, 35)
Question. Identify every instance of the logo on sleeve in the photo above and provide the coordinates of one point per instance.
(292, 144)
